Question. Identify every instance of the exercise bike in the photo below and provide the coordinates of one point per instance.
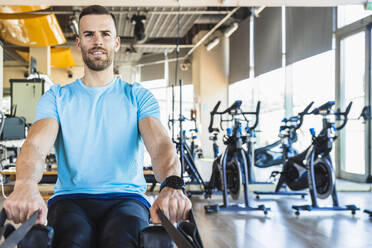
(195, 148)
(186, 154)
(313, 168)
(230, 170)
(366, 115)
(214, 138)
(189, 171)
(266, 157)
(288, 136)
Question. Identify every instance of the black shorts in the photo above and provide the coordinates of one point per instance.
(93, 223)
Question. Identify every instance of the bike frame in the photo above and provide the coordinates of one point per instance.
(234, 150)
(315, 151)
(296, 124)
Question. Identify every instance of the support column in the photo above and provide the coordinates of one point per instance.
(42, 56)
(210, 79)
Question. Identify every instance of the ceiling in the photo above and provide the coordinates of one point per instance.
(161, 28)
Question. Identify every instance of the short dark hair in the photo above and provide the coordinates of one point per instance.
(96, 10)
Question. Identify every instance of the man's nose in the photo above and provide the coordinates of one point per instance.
(98, 39)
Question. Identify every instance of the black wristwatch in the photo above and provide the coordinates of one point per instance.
(174, 182)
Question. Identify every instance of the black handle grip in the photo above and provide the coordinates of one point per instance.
(326, 106)
(366, 113)
(214, 111)
(216, 107)
(236, 105)
(348, 108)
(344, 114)
(258, 108)
(304, 112)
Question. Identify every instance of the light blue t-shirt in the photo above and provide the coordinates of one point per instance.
(99, 149)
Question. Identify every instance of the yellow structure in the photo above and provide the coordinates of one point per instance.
(20, 26)
(60, 57)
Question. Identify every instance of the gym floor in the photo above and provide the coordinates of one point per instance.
(282, 228)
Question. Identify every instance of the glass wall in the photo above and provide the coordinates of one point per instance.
(353, 81)
(163, 94)
(271, 94)
(313, 80)
(269, 89)
(245, 91)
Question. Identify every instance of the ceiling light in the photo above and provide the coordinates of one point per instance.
(258, 10)
(210, 45)
(231, 29)
(74, 25)
(139, 28)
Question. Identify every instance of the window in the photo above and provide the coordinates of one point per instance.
(271, 94)
(163, 94)
(269, 89)
(353, 73)
(351, 13)
(243, 90)
(313, 80)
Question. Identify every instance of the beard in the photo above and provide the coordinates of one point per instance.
(97, 63)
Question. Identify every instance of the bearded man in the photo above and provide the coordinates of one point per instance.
(99, 126)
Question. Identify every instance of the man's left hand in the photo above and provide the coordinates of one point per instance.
(173, 202)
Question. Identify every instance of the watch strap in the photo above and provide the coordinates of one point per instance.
(166, 183)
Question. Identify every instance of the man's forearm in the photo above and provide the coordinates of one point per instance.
(30, 164)
(165, 161)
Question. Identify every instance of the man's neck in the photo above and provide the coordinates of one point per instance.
(97, 78)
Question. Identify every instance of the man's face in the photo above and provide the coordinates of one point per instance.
(97, 41)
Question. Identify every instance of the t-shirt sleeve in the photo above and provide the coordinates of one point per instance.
(147, 105)
(47, 105)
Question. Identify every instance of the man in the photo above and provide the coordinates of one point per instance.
(97, 124)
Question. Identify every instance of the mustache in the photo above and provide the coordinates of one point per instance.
(97, 49)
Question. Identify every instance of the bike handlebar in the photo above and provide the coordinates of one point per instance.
(257, 114)
(298, 119)
(344, 114)
(214, 111)
(304, 112)
(234, 107)
(366, 113)
(326, 106)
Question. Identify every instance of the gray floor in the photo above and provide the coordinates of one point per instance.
(282, 228)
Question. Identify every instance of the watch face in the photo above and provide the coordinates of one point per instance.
(175, 181)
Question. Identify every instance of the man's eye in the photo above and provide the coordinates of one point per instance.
(88, 35)
(106, 34)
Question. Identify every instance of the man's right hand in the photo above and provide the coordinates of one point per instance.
(24, 201)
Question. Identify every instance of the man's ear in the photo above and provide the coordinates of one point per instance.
(117, 44)
(77, 41)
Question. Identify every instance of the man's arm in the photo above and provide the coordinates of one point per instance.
(165, 163)
(26, 198)
(164, 159)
